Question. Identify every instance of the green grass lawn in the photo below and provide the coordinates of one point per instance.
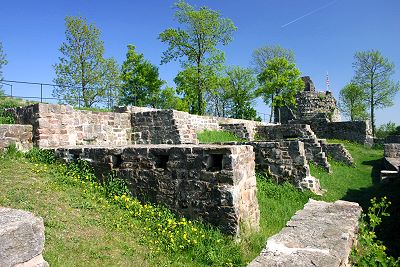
(360, 184)
(208, 136)
(84, 228)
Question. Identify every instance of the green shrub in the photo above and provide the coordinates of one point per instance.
(369, 251)
(37, 155)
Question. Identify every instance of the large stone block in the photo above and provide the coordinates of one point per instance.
(20, 135)
(322, 234)
(21, 239)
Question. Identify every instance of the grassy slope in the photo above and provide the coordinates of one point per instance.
(360, 184)
(82, 229)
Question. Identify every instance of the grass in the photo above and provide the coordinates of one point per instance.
(84, 228)
(360, 184)
(208, 136)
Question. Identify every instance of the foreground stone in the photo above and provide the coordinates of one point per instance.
(21, 239)
(321, 234)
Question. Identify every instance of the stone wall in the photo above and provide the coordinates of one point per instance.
(61, 125)
(337, 152)
(356, 131)
(392, 150)
(315, 153)
(311, 105)
(214, 183)
(162, 127)
(321, 234)
(392, 139)
(21, 239)
(284, 131)
(284, 161)
(20, 135)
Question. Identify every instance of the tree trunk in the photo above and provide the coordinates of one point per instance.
(272, 110)
(372, 114)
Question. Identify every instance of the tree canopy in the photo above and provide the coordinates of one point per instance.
(240, 90)
(3, 61)
(84, 76)
(373, 74)
(141, 85)
(352, 102)
(195, 45)
(280, 82)
(262, 55)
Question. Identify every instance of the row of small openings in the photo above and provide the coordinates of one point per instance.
(214, 162)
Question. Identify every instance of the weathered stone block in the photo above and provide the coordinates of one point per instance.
(21, 239)
(321, 234)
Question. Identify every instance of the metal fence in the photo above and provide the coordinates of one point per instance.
(42, 92)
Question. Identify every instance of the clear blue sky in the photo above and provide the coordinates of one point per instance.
(324, 38)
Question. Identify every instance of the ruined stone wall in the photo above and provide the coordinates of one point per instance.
(356, 131)
(337, 152)
(246, 131)
(162, 127)
(284, 131)
(20, 135)
(284, 161)
(311, 105)
(61, 125)
(214, 183)
(392, 150)
(392, 139)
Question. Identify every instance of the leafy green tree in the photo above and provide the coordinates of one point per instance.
(187, 80)
(169, 100)
(352, 102)
(386, 129)
(83, 74)
(195, 44)
(218, 100)
(280, 82)
(373, 73)
(262, 55)
(3, 61)
(240, 89)
(141, 85)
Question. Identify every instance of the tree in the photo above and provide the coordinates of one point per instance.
(373, 74)
(280, 82)
(263, 54)
(141, 84)
(352, 102)
(3, 62)
(240, 90)
(83, 74)
(169, 100)
(203, 30)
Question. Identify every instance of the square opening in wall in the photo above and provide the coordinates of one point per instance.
(116, 161)
(161, 161)
(214, 162)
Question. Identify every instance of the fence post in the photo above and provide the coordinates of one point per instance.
(41, 93)
(11, 90)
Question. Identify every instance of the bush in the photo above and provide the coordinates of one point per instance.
(369, 251)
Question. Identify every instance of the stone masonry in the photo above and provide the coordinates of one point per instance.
(21, 239)
(311, 105)
(20, 135)
(61, 125)
(213, 183)
(321, 234)
(284, 161)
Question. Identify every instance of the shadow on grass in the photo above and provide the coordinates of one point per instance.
(389, 230)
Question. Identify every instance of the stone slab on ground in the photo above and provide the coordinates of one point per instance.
(321, 234)
(21, 239)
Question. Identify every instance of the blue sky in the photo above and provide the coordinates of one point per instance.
(324, 40)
